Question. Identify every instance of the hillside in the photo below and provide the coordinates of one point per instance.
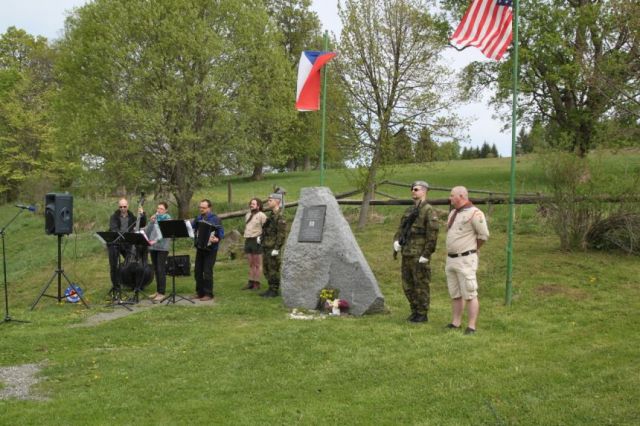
(563, 353)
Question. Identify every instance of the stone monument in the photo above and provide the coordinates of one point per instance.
(321, 252)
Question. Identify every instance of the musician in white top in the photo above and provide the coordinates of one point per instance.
(466, 232)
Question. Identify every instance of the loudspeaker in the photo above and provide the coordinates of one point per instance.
(178, 265)
(58, 213)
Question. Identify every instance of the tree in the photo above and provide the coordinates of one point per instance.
(425, 147)
(389, 52)
(301, 30)
(26, 83)
(158, 91)
(400, 148)
(580, 61)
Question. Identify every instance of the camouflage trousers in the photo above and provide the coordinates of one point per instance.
(271, 268)
(416, 278)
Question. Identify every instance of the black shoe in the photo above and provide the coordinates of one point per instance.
(270, 293)
(469, 330)
(412, 316)
(419, 318)
(451, 326)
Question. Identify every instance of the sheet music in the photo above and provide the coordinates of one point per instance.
(156, 233)
(102, 241)
(145, 236)
(189, 229)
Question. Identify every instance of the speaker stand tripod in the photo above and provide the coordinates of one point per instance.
(60, 274)
(7, 317)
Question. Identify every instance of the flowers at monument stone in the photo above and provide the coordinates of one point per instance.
(329, 301)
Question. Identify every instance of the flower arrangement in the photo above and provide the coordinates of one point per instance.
(330, 302)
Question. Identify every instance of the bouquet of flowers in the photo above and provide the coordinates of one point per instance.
(330, 302)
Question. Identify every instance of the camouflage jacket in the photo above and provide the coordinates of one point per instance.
(274, 231)
(423, 236)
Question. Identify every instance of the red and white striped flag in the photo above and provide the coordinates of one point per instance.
(487, 26)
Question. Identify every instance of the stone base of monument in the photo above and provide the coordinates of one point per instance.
(322, 252)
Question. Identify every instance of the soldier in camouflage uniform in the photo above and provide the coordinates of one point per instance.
(273, 237)
(416, 240)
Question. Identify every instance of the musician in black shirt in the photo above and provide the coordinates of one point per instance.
(122, 220)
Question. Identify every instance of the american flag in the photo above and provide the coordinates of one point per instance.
(487, 26)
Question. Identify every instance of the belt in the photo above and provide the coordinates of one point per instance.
(466, 253)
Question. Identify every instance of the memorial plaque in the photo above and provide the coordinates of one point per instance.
(312, 224)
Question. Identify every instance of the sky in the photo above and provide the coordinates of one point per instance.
(46, 18)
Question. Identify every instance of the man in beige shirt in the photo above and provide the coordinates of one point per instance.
(466, 232)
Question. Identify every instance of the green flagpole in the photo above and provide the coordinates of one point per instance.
(512, 188)
(324, 110)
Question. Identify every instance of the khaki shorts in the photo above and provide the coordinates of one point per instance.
(251, 246)
(461, 276)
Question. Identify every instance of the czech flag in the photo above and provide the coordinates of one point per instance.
(308, 93)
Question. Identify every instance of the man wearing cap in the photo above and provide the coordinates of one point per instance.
(274, 233)
(416, 240)
(466, 232)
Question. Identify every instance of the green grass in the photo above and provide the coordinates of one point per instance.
(565, 352)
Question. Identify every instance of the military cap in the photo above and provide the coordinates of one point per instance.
(276, 196)
(421, 183)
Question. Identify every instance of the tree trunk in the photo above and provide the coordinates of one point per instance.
(370, 187)
(183, 200)
(257, 171)
(307, 163)
(183, 193)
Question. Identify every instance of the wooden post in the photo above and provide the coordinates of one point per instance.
(229, 193)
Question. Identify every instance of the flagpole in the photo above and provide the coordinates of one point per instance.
(324, 110)
(512, 186)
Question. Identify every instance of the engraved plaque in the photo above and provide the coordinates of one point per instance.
(312, 224)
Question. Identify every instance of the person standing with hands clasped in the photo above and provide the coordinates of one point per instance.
(159, 249)
(416, 240)
(467, 231)
(254, 221)
(273, 237)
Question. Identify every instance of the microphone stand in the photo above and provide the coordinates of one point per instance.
(7, 317)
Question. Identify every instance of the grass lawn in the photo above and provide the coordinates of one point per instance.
(565, 351)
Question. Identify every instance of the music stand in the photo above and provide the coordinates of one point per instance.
(174, 229)
(136, 240)
(115, 239)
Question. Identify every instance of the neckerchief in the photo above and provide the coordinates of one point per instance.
(455, 213)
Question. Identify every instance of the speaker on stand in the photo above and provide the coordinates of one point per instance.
(58, 220)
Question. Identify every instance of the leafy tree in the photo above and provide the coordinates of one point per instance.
(448, 151)
(580, 61)
(401, 150)
(301, 30)
(425, 147)
(389, 52)
(26, 82)
(158, 92)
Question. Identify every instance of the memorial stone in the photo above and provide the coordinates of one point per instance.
(322, 252)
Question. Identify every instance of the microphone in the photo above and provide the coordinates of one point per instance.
(30, 208)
